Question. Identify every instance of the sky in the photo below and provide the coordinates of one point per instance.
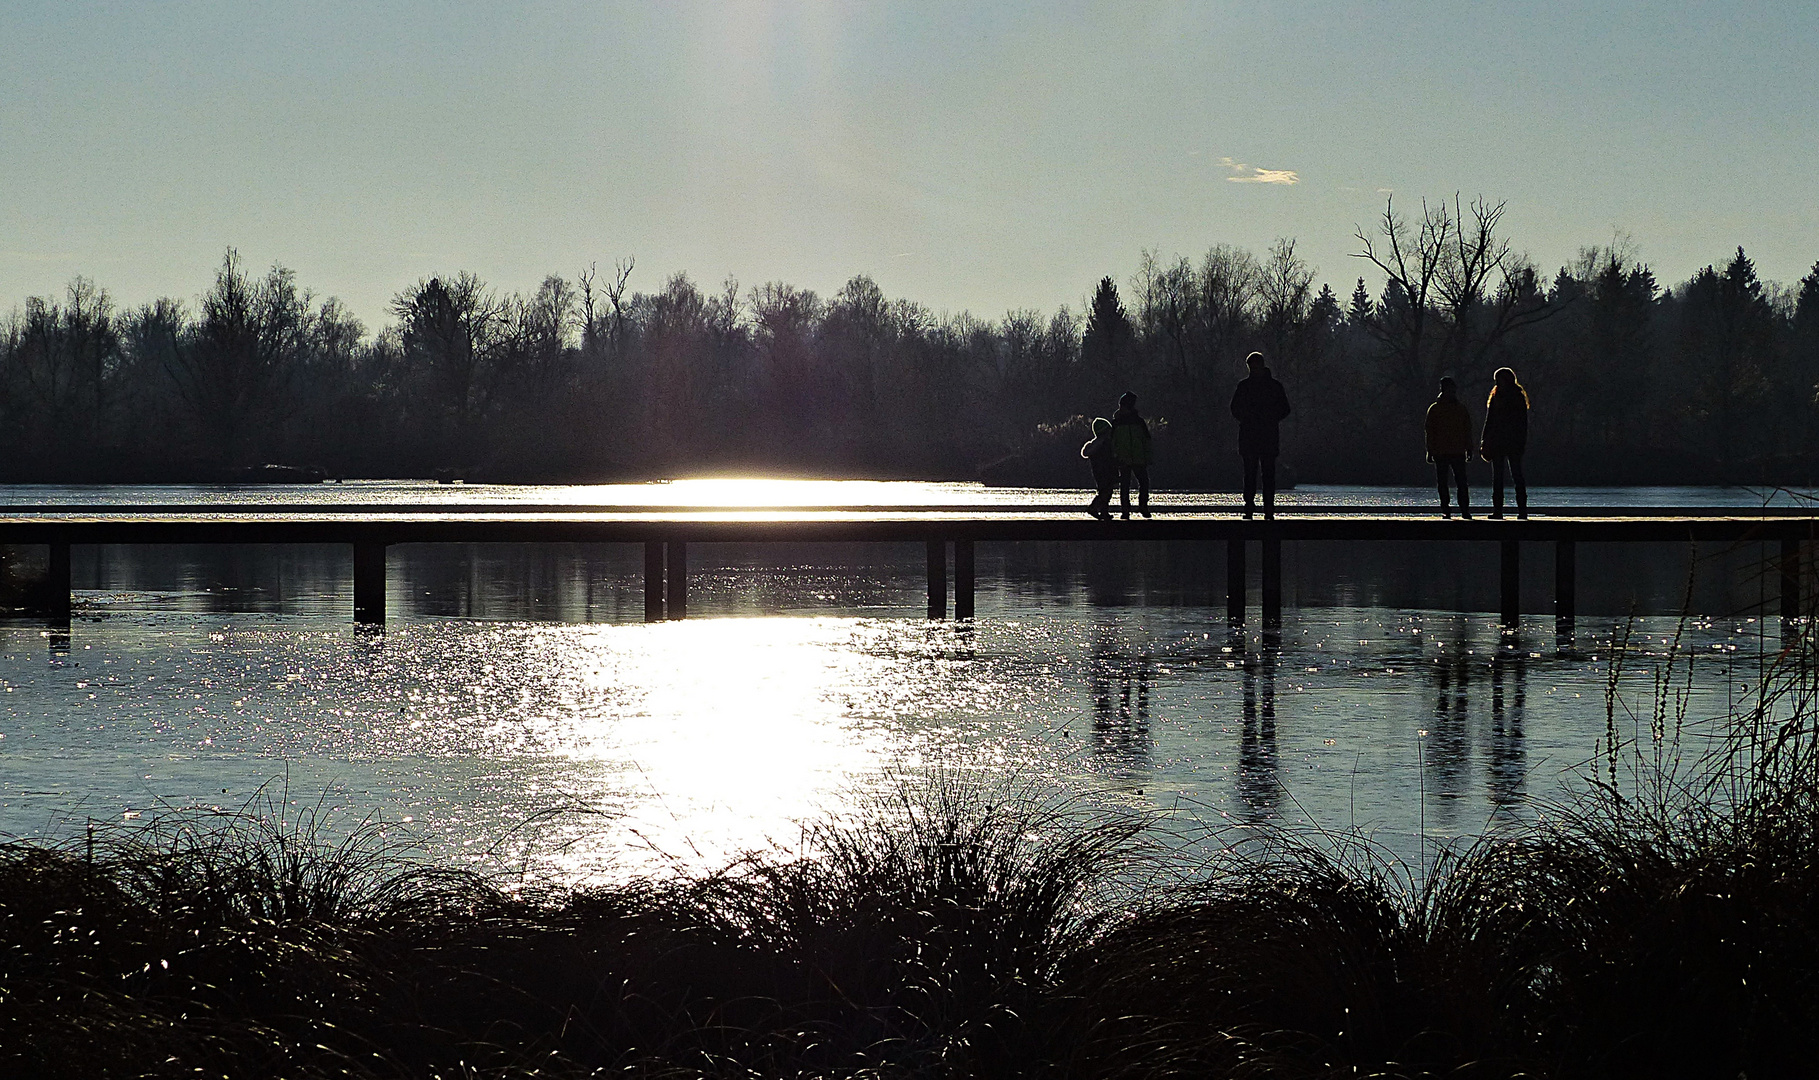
(977, 156)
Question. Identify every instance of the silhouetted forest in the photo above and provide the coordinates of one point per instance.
(588, 378)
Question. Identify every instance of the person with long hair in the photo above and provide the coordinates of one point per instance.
(1506, 438)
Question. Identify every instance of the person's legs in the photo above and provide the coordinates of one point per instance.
(1465, 494)
(1102, 498)
(1269, 485)
(1497, 462)
(1124, 489)
(1521, 485)
(1446, 491)
(1251, 462)
(1143, 488)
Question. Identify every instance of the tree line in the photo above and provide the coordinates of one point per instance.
(586, 378)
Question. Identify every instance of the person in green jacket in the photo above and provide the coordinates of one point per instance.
(1131, 450)
(1449, 444)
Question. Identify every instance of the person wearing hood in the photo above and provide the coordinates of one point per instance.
(1449, 444)
(1259, 404)
(1131, 450)
(1506, 438)
(1098, 454)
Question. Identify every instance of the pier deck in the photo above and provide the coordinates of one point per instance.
(666, 532)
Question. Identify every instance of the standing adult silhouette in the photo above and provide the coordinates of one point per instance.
(1259, 403)
(1131, 450)
(1449, 444)
(1506, 438)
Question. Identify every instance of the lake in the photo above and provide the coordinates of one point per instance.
(517, 714)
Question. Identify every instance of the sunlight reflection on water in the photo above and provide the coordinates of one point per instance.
(516, 713)
(588, 750)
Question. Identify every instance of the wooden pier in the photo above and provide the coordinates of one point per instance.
(666, 534)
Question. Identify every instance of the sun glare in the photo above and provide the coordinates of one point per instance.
(781, 492)
(737, 733)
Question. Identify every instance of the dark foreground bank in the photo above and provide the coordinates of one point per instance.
(1643, 934)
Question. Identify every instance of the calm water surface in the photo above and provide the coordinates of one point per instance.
(516, 712)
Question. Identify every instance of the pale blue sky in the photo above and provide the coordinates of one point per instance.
(980, 156)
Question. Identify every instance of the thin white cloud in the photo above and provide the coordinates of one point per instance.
(1255, 174)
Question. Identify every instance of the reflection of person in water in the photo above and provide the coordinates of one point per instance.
(1446, 748)
(1259, 781)
(1120, 685)
(1508, 765)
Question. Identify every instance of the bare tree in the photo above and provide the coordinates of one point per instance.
(451, 331)
(543, 324)
(590, 313)
(231, 370)
(1455, 290)
(1168, 308)
(615, 293)
(1228, 302)
(1285, 290)
(1480, 314)
(603, 331)
(859, 334)
(1411, 257)
(62, 358)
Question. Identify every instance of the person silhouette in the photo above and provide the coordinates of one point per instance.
(1449, 444)
(1098, 454)
(1259, 403)
(1131, 450)
(1505, 437)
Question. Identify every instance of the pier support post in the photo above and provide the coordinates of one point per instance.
(369, 583)
(1512, 582)
(1234, 582)
(1790, 579)
(1566, 582)
(1272, 580)
(937, 579)
(58, 582)
(677, 607)
(963, 579)
(653, 581)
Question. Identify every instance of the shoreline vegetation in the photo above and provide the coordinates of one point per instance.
(598, 376)
(1662, 920)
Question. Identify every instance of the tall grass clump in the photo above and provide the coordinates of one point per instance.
(924, 940)
(1679, 892)
(207, 944)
